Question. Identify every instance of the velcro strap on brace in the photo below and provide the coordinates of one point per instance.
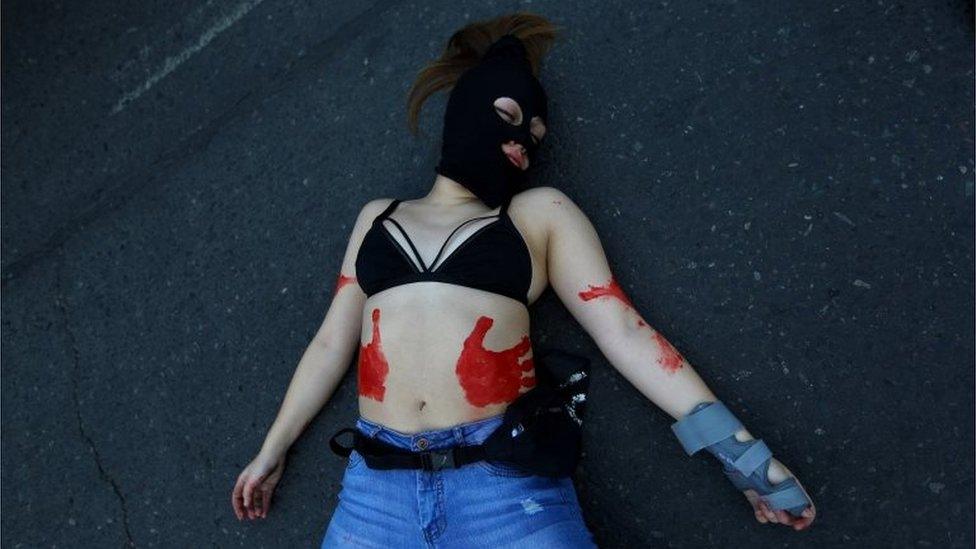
(705, 427)
(787, 496)
(751, 459)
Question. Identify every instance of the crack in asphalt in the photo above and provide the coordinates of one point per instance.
(61, 303)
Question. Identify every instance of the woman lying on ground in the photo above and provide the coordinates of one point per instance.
(442, 329)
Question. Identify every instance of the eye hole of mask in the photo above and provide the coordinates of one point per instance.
(509, 110)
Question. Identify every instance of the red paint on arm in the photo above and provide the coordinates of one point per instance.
(489, 377)
(611, 289)
(342, 281)
(373, 367)
(670, 360)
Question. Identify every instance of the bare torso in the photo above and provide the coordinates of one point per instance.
(448, 353)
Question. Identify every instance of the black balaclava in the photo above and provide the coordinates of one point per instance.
(474, 132)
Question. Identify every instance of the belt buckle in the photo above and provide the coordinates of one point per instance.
(435, 460)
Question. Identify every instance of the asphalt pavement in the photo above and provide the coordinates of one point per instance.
(784, 189)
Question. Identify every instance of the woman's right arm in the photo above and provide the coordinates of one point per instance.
(321, 368)
(330, 351)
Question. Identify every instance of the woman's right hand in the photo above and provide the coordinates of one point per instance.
(255, 485)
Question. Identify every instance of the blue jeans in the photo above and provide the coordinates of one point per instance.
(477, 505)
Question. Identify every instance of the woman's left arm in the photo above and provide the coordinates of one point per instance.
(581, 277)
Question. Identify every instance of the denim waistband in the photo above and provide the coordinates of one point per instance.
(472, 432)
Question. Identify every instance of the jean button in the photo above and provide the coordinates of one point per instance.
(422, 443)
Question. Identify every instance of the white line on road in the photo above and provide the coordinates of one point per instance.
(173, 62)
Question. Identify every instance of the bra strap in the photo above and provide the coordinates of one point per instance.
(389, 209)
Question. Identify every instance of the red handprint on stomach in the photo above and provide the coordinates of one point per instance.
(373, 367)
(490, 377)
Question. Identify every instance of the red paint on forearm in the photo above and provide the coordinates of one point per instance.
(342, 281)
(490, 377)
(670, 360)
(611, 289)
(373, 367)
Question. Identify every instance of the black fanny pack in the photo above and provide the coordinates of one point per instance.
(540, 433)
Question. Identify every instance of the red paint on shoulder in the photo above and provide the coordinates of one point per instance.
(373, 367)
(490, 377)
(610, 289)
(670, 360)
(342, 281)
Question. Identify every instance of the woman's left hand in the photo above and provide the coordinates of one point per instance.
(778, 473)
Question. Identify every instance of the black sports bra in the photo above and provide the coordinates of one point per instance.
(494, 258)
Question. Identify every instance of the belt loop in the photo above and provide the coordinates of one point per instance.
(458, 435)
(368, 428)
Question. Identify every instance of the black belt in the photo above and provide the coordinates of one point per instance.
(380, 455)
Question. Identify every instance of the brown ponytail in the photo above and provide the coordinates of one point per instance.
(467, 45)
